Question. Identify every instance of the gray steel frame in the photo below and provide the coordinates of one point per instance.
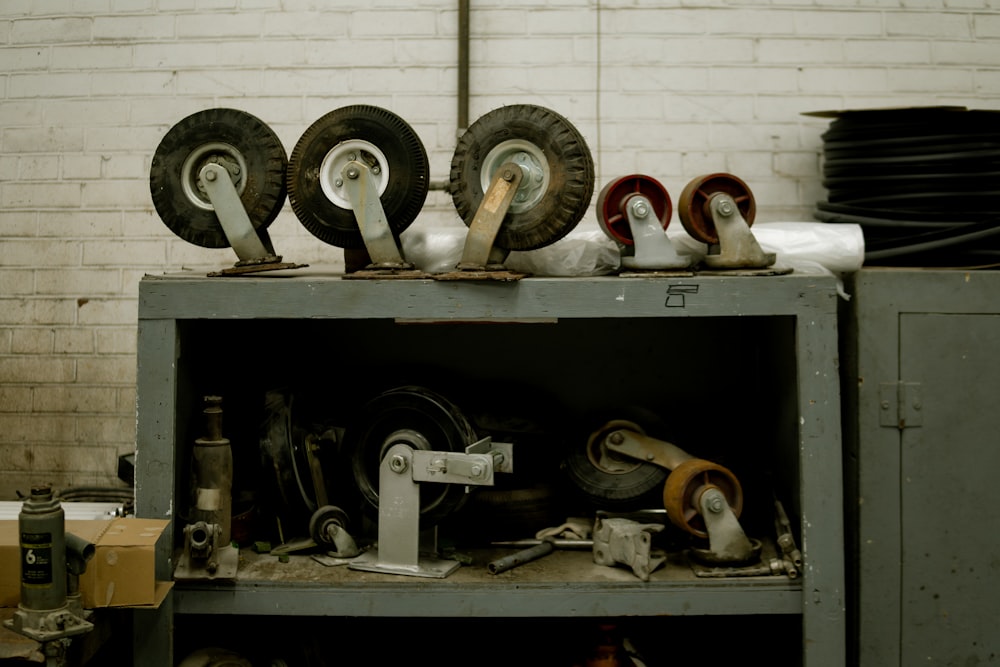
(811, 301)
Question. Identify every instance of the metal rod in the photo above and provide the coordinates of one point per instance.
(463, 66)
(543, 548)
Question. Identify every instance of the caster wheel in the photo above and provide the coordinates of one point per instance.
(322, 519)
(249, 150)
(285, 442)
(693, 204)
(680, 493)
(618, 194)
(558, 171)
(417, 417)
(375, 136)
(610, 481)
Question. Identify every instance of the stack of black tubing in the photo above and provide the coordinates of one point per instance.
(923, 183)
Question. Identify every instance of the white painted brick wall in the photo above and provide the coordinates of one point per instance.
(669, 89)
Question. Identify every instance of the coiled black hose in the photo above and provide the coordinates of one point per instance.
(923, 183)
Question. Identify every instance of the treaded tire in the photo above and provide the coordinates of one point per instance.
(238, 139)
(553, 211)
(636, 486)
(315, 155)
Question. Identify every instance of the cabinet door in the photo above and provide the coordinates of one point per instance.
(949, 468)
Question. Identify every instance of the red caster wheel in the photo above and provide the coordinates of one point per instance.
(694, 204)
(684, 486)
(612, 214)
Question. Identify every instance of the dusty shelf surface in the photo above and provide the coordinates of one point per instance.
(565, 582)
(560, 567)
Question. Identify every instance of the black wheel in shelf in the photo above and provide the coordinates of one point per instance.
(558, 173)
(610, 481)
(374, 136)
(242, 143)
(420, 418)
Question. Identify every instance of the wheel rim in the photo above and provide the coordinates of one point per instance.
(694, 204)
(338, 157)
(608, 462)
(223, 154)
(535, 167)
(615, 196)
(685, 482)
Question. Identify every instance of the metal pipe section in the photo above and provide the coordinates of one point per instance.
(543, 548)
(463, 66)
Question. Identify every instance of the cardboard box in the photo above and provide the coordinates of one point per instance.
(122, 572)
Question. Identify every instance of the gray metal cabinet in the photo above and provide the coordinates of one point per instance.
(745, 364)
(921, 432)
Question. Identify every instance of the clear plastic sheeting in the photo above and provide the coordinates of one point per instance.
(804, 247)
(579, 253)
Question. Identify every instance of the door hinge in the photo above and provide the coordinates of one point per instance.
(900, 405)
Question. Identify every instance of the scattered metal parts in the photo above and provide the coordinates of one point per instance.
(635, 211)
(767, 567)
(786, 540)
(627, 542)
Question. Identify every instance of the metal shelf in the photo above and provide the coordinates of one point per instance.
(718, 332)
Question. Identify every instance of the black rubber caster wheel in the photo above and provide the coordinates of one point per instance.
(610, 481)
(249, 150)
(374, 136)
(417, 417)
(558, 171)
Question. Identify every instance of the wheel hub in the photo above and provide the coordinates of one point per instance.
(330, 178)
(535, 167)
(223, 154)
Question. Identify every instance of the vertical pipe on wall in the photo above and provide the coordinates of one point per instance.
(463, 66)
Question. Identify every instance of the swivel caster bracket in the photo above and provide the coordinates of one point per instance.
(737, 247)
(372, 222)
(481, 259)
(401, 472)
(653, 248)
(701, 497)
(253, 249)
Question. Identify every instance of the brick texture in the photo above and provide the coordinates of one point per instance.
(664, 88)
